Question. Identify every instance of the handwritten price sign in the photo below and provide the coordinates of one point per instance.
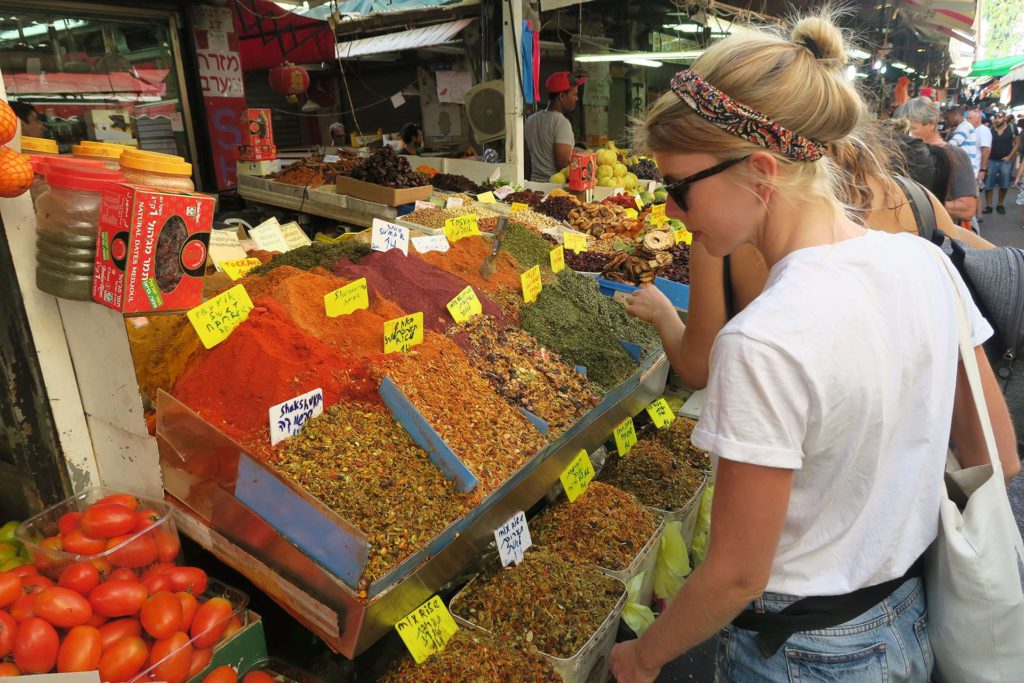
(387, 236)
(454, 203)
(504, 191)
(216, 319)
(531, 284)
(684, 236)
(517, 207)
(401, 334)
(238, 268)
(287, 419)
(513, 539)
(575, 241)
(631, 213)
(427, 629)
(465, 305)
(462, 226)
(348, 299)
(661, 414)
(557, 256)
(625, 436)
(577, 476)
(486, 198)
(658, 216)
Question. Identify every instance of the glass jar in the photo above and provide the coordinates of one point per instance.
(67, 220)
(108, 153)
(158, 171)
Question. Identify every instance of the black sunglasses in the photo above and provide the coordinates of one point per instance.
(678, 190)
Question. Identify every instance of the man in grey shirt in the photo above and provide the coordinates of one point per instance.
(549, 137)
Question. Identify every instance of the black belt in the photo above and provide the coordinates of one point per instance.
(818, 612)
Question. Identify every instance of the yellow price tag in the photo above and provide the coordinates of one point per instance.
(216, 319)
(661, 414)
(625, 436)
(531, 284)
(486, 198)
(348, 299)
(517, 207)
(239, 268)
(557, 259)
(639, 202)
(461, 226)
(577, 476)
(465, 305)
(631, 213)
(401, 334)
(658, 216)
(575, 241)
(427, 629)
(684, 236)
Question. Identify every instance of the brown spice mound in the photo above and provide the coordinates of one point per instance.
(476, 657)
(655, 474)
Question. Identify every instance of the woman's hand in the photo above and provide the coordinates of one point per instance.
(648, 304)
(626, 664)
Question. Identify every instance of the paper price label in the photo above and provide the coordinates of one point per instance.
(430, 243)
(639, 202)
(465, 305)
(661, 414)
(239, 268)
(531, 284)
(287, 419)
(625, 436)
(348, 299)
(658, 216)
(684, 236)
(494, 176)
(575, 241)
(216, 319)
(504, 191)
(454, 203)
(294, 235)
(577, 476)
(518, 206)
(513, 539)
(421, 205)
(401, 334)
(462, 226)
(427, 629)
(268, 236)
(631, 213)
(387, 236)
(486, 198)
(557, 256)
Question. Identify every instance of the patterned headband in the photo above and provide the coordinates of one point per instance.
(717, 108)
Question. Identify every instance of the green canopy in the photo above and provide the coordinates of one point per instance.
(1000, 66)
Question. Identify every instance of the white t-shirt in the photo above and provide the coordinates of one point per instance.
(984, 135)
(844, 370)
(966, 137)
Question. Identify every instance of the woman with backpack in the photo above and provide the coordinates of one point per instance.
(829, 398)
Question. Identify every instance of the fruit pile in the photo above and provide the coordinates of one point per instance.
(611, 172)
(12, 552)
(557, 206)
(450, 182)
(384, 167)
(645, 169)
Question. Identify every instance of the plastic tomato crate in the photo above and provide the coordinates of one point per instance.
(162, 534)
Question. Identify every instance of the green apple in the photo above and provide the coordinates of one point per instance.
(7, 551)
(12, 563)
(7, 531)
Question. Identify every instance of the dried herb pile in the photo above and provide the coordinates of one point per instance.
(655, 474)
(546, 602)
(525, 373)
(463, 260)
(605, 526)
(476, 657)
(677, 438)
(527, 247)
(586, 293)
(317, 254)
(360, 463)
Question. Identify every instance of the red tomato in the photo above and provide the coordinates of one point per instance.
(23, 608)
(167, 546)
(172, 658)
(8, 629)
(80, 650)
(156, 583)
(81, 577)
(222, 674)
(125, 499)
(9, 669)
(161, 615)
(69, 522)
(10, 589)
(233, 627)
(210, 621)
(79, 543)
(51, 546)
(191, 579)
(122, 575)
(102, 566)
(258, 677)
(123, 659)
(24, 570)
(63, 607)
(97, 620)
(189, 605)
(140, 552)
(145, 519)
(35, 584)
(113, 631)
(159, 569)
(35, 646)
(118, 598)
(108, 521)
(200, 660)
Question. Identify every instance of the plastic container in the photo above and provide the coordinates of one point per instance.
(108, 153)
(686, 514)
(214, 589)
(67, 222)
(281, 671)
(644, 562)
(30, 145)
(52, 562)
(159, 171)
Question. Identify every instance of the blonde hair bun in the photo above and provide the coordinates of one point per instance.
(821, 33)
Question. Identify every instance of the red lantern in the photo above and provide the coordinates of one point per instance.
(289, 80)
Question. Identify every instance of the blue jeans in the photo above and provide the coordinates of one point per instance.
(886, 644)
(998, 174)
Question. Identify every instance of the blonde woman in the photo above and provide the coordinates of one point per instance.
(830, 396)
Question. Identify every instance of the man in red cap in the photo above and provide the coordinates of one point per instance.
(549, 137)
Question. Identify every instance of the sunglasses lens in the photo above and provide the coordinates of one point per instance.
(678, 195)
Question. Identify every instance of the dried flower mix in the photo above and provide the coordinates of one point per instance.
(547, 602)
(677, 437)
(317, 254)
(605, 526)
(476, 657)
(655, 474)
(360, 463)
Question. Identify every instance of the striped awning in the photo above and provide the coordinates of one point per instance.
(426, 36)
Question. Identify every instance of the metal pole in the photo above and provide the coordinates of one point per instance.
(512, 30)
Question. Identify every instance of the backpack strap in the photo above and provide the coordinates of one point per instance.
(924, 212)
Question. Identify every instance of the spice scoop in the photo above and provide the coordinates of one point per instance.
(488, 267)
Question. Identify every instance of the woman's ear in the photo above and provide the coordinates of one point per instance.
(764, 168)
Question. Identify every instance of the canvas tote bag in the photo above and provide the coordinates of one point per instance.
(974, 571)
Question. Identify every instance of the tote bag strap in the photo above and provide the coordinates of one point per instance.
(970, 360)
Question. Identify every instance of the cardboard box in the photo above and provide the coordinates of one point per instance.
(380, 194)
(257, 168)
(256, 153)
(151, 249)
(257, 129)
(582, 171)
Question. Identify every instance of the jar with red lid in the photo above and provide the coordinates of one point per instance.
(67, 222)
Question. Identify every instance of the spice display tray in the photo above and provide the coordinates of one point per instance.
(686, 514)
(644, 561)
(254, 182)
(381, 194)
(678, 294)
(288, 190)
(591, 663)
(354, 212)
(326, 194)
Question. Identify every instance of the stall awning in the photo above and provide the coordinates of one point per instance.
(269, 36)
(81, 84)
(1016, 74)
(426, 36)
(1000, 66)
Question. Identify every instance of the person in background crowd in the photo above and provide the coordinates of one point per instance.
(412, 138)
(337, 133)
(549, 136)
(31, 124)
(984, 136)
(1005, 145)
(964, 136)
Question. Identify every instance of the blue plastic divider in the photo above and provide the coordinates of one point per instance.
(634, 350)
(538, 422)
(678, 294)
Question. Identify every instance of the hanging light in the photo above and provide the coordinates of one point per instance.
(289, 80)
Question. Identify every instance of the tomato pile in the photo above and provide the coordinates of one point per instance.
(226, 674)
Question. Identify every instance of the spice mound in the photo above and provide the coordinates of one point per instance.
(677, 438)
(587, 294)
(604, 526)
(476, 657)
(463, 260)
(654, 474)
(317, 254)
(527, 247)
(548, 602)
(359, 462)
(314, 172)
(524, 372)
